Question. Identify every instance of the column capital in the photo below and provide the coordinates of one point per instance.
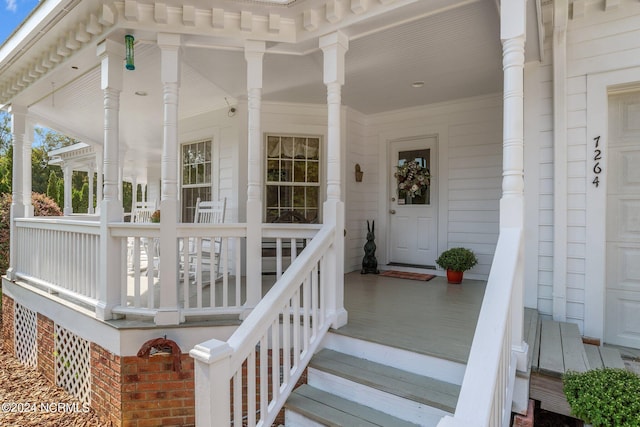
(334, 46)
(18, 119)
(253, 53)
(513, 19)
(169, 57)
(111, 54)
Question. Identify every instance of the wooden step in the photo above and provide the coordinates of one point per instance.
(329, 410)
(424, 390)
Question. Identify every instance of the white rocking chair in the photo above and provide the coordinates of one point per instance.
(206, 251)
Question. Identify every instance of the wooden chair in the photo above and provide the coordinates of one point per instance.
(209, 212)
(142, 212)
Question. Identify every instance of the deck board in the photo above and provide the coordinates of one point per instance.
(593, 355)
(611, 358)
(573, 354)
(551, 361)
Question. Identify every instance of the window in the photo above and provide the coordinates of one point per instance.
(293, 179)
(422, 158)
(196, 176)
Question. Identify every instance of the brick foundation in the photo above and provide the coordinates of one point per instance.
(8, 317)
(525, 420)
(135, 392)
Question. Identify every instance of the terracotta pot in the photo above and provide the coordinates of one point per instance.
(454, 277)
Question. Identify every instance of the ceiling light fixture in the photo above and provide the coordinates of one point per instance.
(141, 93)
(417, 84)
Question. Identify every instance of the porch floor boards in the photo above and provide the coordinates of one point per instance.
(432, 318)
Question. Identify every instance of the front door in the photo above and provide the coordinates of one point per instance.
(412, 207)
(622, 321)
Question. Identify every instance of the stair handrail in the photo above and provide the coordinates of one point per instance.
(487, 387)
(301, 293)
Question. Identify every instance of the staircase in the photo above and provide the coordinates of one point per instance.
(357, 383)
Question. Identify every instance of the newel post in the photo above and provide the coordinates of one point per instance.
(254, 53)
(212, 383)
(168, 313)
(110, 54)
(334, 46)
(18, 129)
(513, 32)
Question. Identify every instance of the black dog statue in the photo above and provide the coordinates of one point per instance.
(369, 261)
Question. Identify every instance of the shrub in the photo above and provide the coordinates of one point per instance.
(604, 397)
(42, 206)
(457, 259)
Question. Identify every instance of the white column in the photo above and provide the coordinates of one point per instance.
(512, 32)
(168, 312)
(254, 53)
(99, 181)
(134, 192)
(67, 177)
(120, 179)
(18, 128)
(27, 173)
(91, 209)
(111, 57)
(334, 47)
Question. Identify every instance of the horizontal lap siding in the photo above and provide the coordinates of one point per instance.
(597, 42)
(470, 150)
(475, 181)
(362, 197)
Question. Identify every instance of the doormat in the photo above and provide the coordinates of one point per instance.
(407, 275)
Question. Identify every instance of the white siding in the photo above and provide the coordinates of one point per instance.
(469, 171)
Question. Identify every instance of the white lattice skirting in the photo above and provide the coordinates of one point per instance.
(25, 328)
(73, 364)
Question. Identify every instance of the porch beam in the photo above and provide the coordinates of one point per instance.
(168, 313)
(513, 35)
(110, 54)
(18, 128)
(334, 47)
(254, 53)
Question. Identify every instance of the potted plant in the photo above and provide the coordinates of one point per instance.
(155, 216)
(604, 397)
(456, 261)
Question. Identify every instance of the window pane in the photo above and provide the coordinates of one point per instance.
(286, 197)
(299, 174)
(286, 170)
(300, 145)
(312, 215)
(422, 195)
(313, 148)
(272, 215)
(312, 171)
(286, 147)
(298, 197)
(272, 196)
(273, 147)
(312, 197)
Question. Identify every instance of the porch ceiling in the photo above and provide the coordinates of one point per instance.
(451, 45)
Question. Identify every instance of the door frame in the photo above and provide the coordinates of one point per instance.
(440, 132)
(599, 86)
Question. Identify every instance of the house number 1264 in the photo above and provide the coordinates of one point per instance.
(597, 156)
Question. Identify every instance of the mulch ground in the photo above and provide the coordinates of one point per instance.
(28, 399)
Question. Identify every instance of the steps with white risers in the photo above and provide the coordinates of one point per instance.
(342, 386)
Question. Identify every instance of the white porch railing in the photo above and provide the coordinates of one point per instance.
(208, 262)
(487, 388)
(269, 351)
(276, 236)
(60, 255)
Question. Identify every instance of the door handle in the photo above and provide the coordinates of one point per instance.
(392, 211)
